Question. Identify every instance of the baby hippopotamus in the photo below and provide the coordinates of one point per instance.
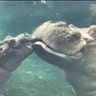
(12, 52)
(72, 49)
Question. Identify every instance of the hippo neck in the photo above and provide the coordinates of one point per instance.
(89, 55)
(83, 79)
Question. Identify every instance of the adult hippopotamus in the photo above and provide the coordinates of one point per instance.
(12, 52)
(72, 49)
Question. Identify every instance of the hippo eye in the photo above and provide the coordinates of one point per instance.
(12, 42)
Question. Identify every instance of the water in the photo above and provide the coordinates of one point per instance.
(35, 77)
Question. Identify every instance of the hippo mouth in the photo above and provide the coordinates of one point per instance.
(39, 44)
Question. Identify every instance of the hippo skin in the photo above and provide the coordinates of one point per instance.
(12, 52)
(72, 49)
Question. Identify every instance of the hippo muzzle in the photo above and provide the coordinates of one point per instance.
(56, 42)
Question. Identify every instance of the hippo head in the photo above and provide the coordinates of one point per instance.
(58, 43)
(73, 50)
(12, 52)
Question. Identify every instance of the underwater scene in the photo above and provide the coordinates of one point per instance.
(34, 76)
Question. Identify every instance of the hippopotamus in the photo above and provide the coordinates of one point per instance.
(72, 49)
(13, 50)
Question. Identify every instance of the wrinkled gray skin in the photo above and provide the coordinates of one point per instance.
(73, 50)
(12, 52)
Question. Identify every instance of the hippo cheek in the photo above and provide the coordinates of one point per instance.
(72, 48)
(69, 44)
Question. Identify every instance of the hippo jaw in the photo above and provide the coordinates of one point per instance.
(52, 51)
(51, 56)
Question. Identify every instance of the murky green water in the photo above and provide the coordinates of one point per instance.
(35, 77)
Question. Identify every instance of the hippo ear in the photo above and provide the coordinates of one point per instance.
(92, 31)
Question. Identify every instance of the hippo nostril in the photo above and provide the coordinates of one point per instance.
(4, 52)
(4, 49)
(12, 42)
(1, 49)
